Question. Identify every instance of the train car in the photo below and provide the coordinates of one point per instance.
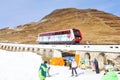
(69, 36)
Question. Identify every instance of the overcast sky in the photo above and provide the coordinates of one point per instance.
(19, 12)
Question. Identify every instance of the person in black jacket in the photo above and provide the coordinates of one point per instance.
(96, 66)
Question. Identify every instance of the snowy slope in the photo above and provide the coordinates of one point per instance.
(25, 65)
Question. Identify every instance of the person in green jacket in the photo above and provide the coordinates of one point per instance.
(111, 75)
(42, 70)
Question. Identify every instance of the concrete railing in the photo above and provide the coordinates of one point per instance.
(36, 47)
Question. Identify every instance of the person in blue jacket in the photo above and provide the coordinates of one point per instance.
(70, 62)
(42, 70)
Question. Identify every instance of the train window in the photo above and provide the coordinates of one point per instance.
(59, 33)
(67, 32)
(62, 32)
(46, 34)
(56, 33)
(53, 33)
(76, 33)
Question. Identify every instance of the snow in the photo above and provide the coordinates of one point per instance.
(25, 65)
(19, 65)
(65, 74)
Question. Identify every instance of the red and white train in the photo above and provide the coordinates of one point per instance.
(69, 36)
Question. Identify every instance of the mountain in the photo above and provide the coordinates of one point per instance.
(97, 27)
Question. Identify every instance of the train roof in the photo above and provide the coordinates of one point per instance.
(56, 31)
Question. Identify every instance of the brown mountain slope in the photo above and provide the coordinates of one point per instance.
(97, 27)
